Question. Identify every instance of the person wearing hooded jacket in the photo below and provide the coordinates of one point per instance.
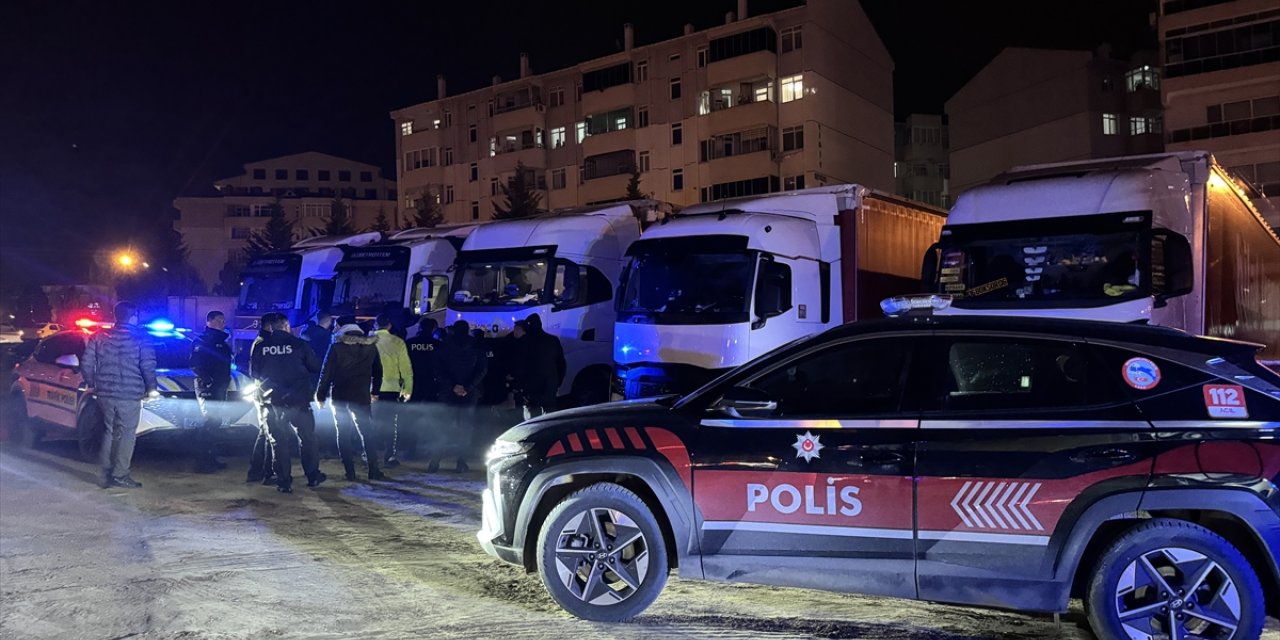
(211, 364)
(540, 367)
(351, 376)
(285, 365)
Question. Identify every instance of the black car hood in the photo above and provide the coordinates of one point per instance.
(622, 413)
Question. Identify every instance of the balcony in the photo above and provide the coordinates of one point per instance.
(605, 165)
(738, 143)
(742, 166)
(519, 108)
(741, 116)
(763, 63)
(604, 189)
(622, 95)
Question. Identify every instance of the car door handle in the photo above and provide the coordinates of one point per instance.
(876, 458)
(1111, 454)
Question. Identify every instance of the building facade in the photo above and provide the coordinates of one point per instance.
(792, 99)
(1221, 88)
(306, 185)
(1031, 106)
(921, 168)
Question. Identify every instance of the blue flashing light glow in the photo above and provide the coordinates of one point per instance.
(160, 325)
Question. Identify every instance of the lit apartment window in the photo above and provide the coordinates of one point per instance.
(493, 146)
(558, 137)
(677, 179)
(792, 87)
(642, 117)
(471, 132)
(448, 156)
(435, 124)
(895, 169)
(475, 172)
(493, 186)
(282, 174)
(557, 96)
(1141, 125)
(793, 138)
(642, 71)
(406, 128)
(644, 161)
(344, 176)
(1143, 77)
(475, 210)
(580, 132)
(1110, 124)
(791, 39)
(557, 179)
(448, 194)
(677, 134)
(620, 123)
(702, 57)
(675, 88)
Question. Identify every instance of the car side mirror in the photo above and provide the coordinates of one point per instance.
(929, 268)
(70, 360)
(745, 402)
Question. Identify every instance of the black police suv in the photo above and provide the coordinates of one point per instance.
(988, 461)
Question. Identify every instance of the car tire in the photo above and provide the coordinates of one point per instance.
(601, 554)
(1169, 572)
(90, 426)
(22, 429)
(591, 387)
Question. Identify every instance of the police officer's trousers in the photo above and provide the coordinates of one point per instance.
(289, 425)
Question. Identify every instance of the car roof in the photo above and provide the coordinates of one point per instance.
(1136, 334)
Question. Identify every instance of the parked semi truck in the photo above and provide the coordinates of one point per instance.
(562, 265)
(1166, 239)
(406, 276)
(727, 281)
(297, 282)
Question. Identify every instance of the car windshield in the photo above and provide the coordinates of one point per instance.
(509, 283)
(1070, 268)
(268, 292)
(710, 287)
(369, 288)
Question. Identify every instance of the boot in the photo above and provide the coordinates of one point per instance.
(317, 479)
(350, 467)
(106, 480)
(462, 467)
(434, 465)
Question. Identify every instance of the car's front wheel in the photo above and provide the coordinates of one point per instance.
(90, 426)
(1178, 580)
(601, 554)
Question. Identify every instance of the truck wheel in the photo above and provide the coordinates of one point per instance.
(22, 430)
(601, 555)
(591, 387)
(90, 426)
(1173, 579)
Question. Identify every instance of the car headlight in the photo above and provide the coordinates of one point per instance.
(506, 449)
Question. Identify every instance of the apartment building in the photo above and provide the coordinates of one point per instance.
(921, 168)
(792, 99)
(217, 228)
(1030, 106)
(1221, 88)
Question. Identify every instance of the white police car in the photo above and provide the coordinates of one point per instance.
(47, 397)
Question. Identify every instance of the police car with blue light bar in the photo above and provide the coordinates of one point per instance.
(47, 398)
(975, 460)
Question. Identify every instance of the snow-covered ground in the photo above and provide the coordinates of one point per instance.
(209, 556)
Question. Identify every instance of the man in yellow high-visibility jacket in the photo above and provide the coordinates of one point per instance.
(397, 386)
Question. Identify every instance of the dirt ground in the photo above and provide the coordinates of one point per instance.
(208, 556)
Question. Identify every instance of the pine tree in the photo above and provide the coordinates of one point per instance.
(339, 221)
(521, 194)
(633, 187)
(426, 211)
(276, 236)
(228, 280)
(381, 223)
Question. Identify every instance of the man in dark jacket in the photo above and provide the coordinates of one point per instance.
(540, 367)
(261, 465)
(285, 366)
(460, 375)
(211, 364)
(352, 375)
(319, 333)
(119, 370)
(424, 349)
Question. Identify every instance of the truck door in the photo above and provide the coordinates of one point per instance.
(317, 294)
(1018, 434)
(803, 473)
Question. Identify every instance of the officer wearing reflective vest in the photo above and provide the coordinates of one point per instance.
(285, 367)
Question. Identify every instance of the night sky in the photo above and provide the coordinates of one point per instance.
(109, 110)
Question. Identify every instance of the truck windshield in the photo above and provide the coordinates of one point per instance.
(500, 283)
(689, 288)
(1082, 268)
(268, 291)
(369, 289)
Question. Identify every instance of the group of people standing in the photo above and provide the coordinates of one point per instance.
(389, 396)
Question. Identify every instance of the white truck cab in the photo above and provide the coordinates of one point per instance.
(564, 266)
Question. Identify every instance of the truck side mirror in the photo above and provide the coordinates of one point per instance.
(1171, 265)
(929, 268)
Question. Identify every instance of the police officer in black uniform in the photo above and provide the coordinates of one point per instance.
(211, 364)
(285, 367)
(422, 409)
